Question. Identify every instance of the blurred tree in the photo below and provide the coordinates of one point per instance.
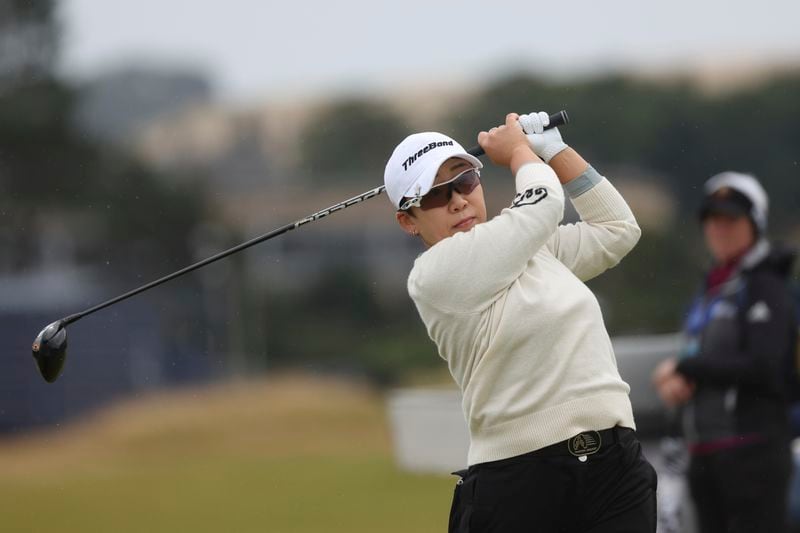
(648, 292)
(614, 118)
(754, 130)
(113, 207)
(350, 141)
(29, 36)
(98, 202)
(338, 325)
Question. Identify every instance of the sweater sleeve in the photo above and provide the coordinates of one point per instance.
(606, 233)
(468, 271)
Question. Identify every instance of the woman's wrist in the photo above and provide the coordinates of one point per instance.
(522, 155)
(568, 165)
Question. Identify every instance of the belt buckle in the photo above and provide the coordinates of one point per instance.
(585, 443)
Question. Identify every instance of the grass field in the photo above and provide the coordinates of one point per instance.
(289, 454)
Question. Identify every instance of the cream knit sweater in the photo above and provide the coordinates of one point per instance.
(523, 336)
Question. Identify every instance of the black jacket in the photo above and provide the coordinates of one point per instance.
(740, 340)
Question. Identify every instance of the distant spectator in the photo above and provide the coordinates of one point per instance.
(732, 380)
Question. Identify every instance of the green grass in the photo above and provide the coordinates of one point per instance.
(233, 495)
(336, 475)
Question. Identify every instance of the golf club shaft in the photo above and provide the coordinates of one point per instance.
(556, 119)
(274, 233)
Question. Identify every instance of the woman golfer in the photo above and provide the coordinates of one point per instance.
(553, 447)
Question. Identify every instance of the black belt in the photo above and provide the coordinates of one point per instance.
(582, 444)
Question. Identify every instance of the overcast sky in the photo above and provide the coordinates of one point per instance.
(256, 48)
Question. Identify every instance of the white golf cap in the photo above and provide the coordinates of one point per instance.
(412, 169)
(749, 198)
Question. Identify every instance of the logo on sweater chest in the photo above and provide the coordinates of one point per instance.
(585, 443)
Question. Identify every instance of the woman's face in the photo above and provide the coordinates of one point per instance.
(461, 213)
(728, 237)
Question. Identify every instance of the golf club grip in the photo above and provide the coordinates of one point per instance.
(556, 119)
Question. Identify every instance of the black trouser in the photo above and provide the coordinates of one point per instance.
(553, 491)
(742, 489)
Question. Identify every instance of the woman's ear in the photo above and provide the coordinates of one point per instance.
(407, 222)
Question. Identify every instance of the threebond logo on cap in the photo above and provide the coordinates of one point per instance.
(410, 160)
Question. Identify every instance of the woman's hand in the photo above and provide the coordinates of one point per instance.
(545, 143)
(507, 145)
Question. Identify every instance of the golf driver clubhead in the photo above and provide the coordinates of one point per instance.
(50, 350)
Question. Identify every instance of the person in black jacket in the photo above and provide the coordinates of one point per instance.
(732, 379)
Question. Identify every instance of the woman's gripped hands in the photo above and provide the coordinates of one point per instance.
(545, 143)
(507, 145)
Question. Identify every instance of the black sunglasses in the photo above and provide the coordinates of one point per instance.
(464, 183)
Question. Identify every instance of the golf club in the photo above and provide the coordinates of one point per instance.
(50, 346)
